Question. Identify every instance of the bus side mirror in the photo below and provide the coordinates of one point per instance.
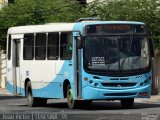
(151, 47)
(79, 42)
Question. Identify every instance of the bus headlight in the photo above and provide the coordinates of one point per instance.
(146, 81)
(91, 81)
(96, 84)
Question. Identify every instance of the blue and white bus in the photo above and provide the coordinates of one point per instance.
(81, 61)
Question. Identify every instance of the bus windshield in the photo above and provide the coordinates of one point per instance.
(116, 52)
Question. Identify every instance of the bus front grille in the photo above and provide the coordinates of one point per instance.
(118, 84)
(119, 79)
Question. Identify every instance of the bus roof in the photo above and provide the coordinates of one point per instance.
(110, 22)
(50, 27)
(58, 27)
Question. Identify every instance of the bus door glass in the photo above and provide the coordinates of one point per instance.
(17, 65)
(77, 62)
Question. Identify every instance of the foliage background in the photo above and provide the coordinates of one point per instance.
(29, 12)
(147, 11)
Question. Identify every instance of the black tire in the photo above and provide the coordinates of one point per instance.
(70, 101)
(33, 101)
(42, 101)
(85, 103)
(127, 103)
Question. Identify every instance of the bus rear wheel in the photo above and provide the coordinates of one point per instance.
(127, 103)
(33, 101)
(70, 101)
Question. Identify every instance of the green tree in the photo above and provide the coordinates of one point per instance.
(147, 11)
(29, 12)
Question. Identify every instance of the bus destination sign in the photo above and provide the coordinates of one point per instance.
(115, 28)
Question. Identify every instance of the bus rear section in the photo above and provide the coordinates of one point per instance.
(13, 60)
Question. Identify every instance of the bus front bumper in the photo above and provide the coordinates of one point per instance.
(93, 93)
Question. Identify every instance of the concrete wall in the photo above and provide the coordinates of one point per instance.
(2, 3)
(156, 73)
(2, 69)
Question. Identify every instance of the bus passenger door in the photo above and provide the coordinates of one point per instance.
(17, 83)
(77, 66)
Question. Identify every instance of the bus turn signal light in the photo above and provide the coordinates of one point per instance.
(85, 79)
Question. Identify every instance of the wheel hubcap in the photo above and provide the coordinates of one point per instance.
(70, 97)
(29, 97)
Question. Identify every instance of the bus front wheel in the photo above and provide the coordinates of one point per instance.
(127, 103)
(70, 101)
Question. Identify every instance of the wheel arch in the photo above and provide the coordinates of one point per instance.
(25, 84)
(65, 84)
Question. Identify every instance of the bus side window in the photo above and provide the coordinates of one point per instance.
(28, 46)
(53, 46)
(40, 46)
(66, 46)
